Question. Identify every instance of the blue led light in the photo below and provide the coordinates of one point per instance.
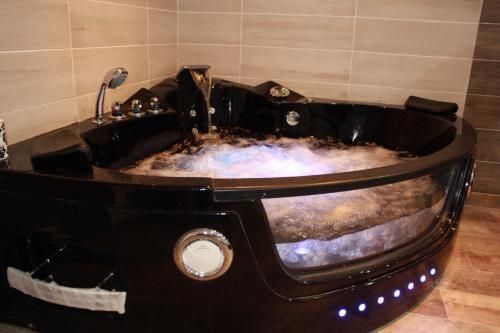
(342, 313)
(423, 278)
(362, 307)
(397, 293)
(433, 271)
(411, 285)
(380, 300)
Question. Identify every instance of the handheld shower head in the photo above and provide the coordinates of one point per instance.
(113, 79)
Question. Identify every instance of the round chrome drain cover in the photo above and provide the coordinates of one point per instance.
(203, 254)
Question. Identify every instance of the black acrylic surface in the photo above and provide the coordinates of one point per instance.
(129, 224)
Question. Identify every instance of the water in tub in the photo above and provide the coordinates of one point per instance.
(313, 230)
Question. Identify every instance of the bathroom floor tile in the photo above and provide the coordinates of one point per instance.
(433, 305)
(472, 308)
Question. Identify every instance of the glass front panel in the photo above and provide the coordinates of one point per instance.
(325, 229)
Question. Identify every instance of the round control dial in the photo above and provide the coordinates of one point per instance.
(203, 254)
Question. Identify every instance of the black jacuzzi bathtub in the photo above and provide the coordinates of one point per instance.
(69, 215)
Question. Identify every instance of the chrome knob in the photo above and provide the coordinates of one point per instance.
(292, 118)
(279, 92)
(155, 105)
(116, 107)
(116, 112)
(136, 105)
(136, 108)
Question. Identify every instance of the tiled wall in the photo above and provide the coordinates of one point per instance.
(483, 99)
(54, 54)
(364, 50)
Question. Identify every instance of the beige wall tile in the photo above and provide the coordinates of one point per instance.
(209, 28)
(298, 31)
(398, 96)
(83, 108)
(34, 24)
(33, 78)
(142, 3)
(311, 7)
(92, 64)
(210, 6)
(307, 89)
(410, 37)
(229, 78)
(223, 59)
(317, 90)
(162, 60)
(162, 27)
(296, 64)
(163, 4)
(154, 82)
(400, 71)
(24, 124)
(93, 24)
(443, 10)
(121, 94)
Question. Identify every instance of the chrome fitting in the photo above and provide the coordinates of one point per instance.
(116, 112)
(136, 109)
(155, 105)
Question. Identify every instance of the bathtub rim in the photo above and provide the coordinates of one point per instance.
(250, 189)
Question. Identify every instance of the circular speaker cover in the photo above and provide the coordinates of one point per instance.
(203, 254)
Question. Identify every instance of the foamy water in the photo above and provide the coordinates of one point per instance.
(317, 229)
(230, 156)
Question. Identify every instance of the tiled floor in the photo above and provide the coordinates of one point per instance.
(468, 297)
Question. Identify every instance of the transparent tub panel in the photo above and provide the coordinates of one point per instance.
(333, 228)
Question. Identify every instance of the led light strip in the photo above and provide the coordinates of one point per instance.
(362, 307)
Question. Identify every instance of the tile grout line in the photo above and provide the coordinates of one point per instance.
(148, 40)
(492, 96)
(326, 16)
(238, 45)
(112, 46)
(469, 72)
(352, 49)
(131, 6)
(488, 162)
(487, 129)
(473, 53)
(177, 60)
(73, 76)
(83, 48)
(486, 60)
(241, 42)
(438, 290)
(355, 84)
(328, 50)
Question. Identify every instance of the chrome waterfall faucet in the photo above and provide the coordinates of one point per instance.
(113, 79)
(198, 76)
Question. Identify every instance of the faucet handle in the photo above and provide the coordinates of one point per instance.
(136, 108)
(155, 105)
(116, 112)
